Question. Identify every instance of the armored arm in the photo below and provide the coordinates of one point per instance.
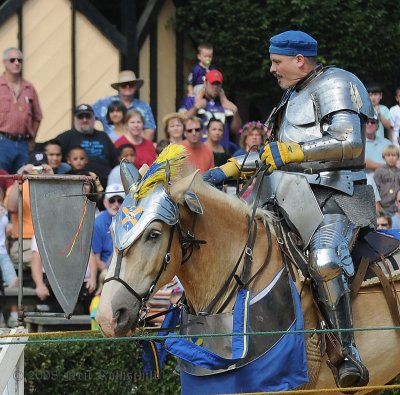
(342, 139)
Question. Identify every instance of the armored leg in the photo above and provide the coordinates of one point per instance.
(330, 265)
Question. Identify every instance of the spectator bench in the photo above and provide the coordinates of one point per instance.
(54, 324)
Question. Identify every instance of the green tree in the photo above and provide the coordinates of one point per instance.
(362, 36)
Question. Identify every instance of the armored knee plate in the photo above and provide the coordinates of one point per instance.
(330, 259)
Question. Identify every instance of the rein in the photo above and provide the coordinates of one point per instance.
(243, 281)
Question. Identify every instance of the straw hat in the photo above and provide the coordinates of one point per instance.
(127, 76)
(172, 115)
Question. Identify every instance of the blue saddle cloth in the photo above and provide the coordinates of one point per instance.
(283, 365)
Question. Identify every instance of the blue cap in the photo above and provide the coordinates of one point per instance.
(293, 42)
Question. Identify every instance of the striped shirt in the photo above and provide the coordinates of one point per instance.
(18, 113)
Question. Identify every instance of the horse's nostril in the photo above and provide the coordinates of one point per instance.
(124, 321)
(121, 316)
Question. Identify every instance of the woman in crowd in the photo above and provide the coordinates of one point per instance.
(252, 136)
(173, 127)
(145, 152)
(215, 133)
(116, 113)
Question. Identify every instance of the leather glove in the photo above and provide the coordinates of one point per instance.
(278, 154)
(218, 175)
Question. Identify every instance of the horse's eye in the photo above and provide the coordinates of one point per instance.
(153, 235)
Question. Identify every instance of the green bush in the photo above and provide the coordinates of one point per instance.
(101, 368)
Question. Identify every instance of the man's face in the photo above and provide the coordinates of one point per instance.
(84, 122)
(112, 204)
(193, 132)
(13, 64)
(286, 70)
(127, 89)
(370, 129)
(53, 152)
(212, 89)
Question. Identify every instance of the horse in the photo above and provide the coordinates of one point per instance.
(224, 227)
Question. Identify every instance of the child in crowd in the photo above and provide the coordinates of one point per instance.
(383, 220)
(127, 151)
(198, 74)
(78, 160)
(9, 276)
(387, 179)
(395, 113)
(385, 128)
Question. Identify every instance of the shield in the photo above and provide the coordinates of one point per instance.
(63, 220)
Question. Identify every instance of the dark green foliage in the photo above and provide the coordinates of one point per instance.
(101, 368)
(362, 36)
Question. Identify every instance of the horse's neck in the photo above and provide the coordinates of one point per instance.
(225, 231)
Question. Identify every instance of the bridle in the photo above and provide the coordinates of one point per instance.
(187, 242)
(143, 298)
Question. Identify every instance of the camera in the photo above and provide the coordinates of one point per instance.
(37, 169)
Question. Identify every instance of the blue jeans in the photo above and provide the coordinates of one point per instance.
(13, 154)
(7, 268)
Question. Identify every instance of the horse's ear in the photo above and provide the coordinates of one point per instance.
(129, 174)
(179, 188)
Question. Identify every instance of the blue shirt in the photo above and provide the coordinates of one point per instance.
(100, 111)
(102, 242)
(374, 149)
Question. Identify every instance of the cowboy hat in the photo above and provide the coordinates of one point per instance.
(127, 76)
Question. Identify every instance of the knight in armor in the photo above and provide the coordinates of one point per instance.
(318, 131)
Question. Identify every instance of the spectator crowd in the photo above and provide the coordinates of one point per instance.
(206, 122)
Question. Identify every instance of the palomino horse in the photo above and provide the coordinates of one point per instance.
(224, 227)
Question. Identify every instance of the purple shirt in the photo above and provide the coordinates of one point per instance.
(213, 109)
(198, 74)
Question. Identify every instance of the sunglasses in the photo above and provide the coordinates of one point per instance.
(196, 130)
(13, 60)
(372, 122)
(84, 115)
(112, 200)
(127, 84)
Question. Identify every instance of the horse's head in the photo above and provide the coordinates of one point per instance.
(147, 253)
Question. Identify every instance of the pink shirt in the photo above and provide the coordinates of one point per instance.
(145, 151)
(201, 156)
(17, 114)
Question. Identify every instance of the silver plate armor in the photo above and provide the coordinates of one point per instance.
(324, 117)
(134, 216)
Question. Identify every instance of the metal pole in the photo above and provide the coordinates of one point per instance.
(20, 251)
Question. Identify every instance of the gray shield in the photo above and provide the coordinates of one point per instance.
(63, 225)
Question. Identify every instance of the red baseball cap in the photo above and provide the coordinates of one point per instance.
(214, 76)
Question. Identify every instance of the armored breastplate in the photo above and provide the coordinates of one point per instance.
(306, 116)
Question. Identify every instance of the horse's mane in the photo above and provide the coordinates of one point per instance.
(203, 188)
(173, 157)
